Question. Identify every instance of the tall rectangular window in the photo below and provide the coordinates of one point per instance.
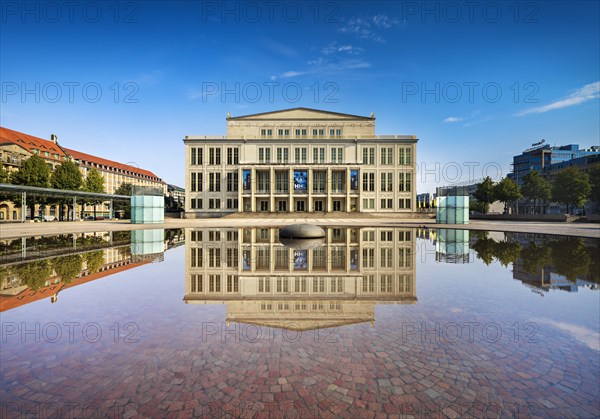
(214, 182)
(337, 181)
(386, 155)
(214, 156)
(282, 183)
(300, 155)
(368, 258)
(319, 179)
(264, 184)
(232, 182)
(337, 154)
(196, 182)
(196, 156)
(404, 182)
(387, 182)
(233, 155)
(283, 155)
(319, 155)
(264, 155)
(369, 182)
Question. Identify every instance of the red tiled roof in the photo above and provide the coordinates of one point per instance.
(8, 302)
(29, 143)
(84, 157)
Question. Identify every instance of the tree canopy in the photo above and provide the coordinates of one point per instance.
(571, 187)
(506, 191)
(3, 174)
(485, 192)
(33, 172)
(67, 176)
(535, 187)
(595, 181)
(94, 182)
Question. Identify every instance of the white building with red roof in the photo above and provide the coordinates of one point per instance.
(16, 146)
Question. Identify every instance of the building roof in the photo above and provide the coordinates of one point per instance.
(264, 115)
(8, 302)
(110, 164)
(31, 143)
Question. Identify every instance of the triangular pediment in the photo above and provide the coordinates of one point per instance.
(299, 114)
(303, 324)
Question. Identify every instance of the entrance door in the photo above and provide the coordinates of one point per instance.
(300, 206)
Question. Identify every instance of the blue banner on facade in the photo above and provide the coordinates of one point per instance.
(354, 180)
(246, 179)
(300, 180)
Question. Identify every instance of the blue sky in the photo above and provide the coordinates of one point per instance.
(476, 82)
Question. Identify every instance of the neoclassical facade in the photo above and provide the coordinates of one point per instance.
(333, 283)
(299, 160)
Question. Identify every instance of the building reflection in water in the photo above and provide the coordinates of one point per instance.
(452, 246)
(35, 268)
(301, 287)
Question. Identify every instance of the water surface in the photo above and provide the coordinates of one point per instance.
(215, 321)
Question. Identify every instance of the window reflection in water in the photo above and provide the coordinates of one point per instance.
(301, 287)
(34, 268)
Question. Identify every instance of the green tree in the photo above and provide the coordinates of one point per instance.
(67, 176)
(4, 178)
(595, 181)
(94, 260)
(484, 247)
(94, 182)
(33, 172)
(535, 187)
(571, 187)
(570, 258)
(507, 252)
(67, 267)
(506, 191)
(478, 206)
(34, 274)
(535, 257)
(124, 189)
(485, 193)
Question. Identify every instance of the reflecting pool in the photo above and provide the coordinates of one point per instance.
(232, 322)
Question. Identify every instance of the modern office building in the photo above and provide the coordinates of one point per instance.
(16, 146)
(548, 161)
(333, 283)
(541, 157)
(299, 160)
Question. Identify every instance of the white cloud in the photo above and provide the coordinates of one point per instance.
(369, 27)
(588, 337)
(289, 74)
(334, 48)
(576, 97)
(472, 115)
(453, 119)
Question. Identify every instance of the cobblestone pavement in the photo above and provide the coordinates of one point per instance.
(476, 344)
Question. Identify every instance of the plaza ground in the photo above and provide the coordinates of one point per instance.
(15, 230)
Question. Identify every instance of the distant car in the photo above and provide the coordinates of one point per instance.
(49, 218)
